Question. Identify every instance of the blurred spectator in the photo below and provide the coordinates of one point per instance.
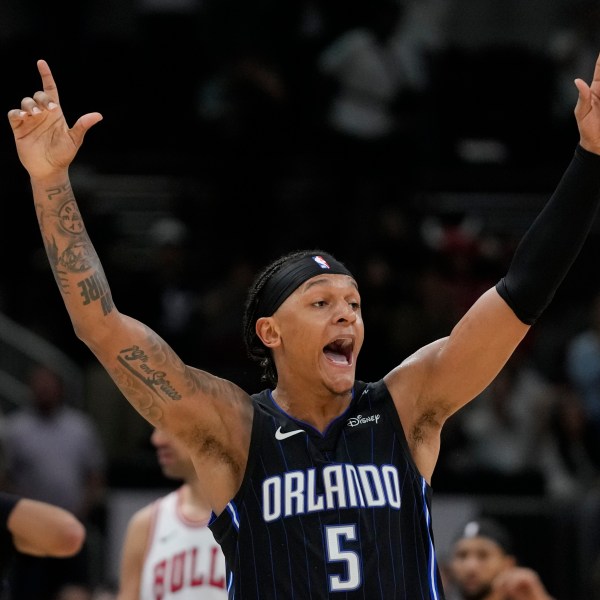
(507, 442)
(570, 430)
(574, 46)
(53, 454)
(484, 41)
(463, 261)
(378, 76)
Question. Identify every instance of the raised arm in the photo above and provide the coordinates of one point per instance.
(442, 377)
(205, 412)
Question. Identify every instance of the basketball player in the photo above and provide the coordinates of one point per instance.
(169, 552)
(483, 566)
(320, 483)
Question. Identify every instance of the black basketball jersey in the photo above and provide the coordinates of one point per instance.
(344, 514)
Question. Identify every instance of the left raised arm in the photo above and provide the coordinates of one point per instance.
(439, 379)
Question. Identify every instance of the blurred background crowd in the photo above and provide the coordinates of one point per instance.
(414, 139)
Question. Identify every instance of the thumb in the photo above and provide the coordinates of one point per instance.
(584, 98)
(83, 124)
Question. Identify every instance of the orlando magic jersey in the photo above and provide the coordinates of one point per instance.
(183, 561)
(344, 514)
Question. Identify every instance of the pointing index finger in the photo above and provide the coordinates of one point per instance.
(47, 80)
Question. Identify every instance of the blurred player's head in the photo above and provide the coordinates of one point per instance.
(481, 550)
(173, 457)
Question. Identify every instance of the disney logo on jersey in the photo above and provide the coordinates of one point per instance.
(360, 420)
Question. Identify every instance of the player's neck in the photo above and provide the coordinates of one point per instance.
(316, 409)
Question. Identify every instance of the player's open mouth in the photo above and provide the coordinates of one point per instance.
(340, 351)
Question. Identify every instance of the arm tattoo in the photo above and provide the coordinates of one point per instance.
(79, 255)
(95, 287)
(142, 399)
(62, 190)
(69, 217)
(139, 364)
(142, 377)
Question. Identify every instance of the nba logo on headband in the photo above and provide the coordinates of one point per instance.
(291, 275)
(321, 262)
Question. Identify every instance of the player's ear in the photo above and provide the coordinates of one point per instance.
(267, 331)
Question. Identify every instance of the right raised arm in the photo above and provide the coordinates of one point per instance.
(211, 416)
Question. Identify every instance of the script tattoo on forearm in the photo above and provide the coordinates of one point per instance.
(142, 399)
(138, 363)
(142, 379)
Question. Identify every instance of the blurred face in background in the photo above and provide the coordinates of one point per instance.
(474, 564)
(47, 389)
(173, 457)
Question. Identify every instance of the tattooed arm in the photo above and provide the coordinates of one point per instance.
(211, 416)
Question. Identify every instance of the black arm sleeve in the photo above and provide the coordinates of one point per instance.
(552, 243)
(7, 503)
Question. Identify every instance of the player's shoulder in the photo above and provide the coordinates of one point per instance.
(141, 519)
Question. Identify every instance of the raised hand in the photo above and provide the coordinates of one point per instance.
(587, 111)
(520, 583)
(45, 143)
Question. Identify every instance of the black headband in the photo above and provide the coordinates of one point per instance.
(291, 276)
(489, 529)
